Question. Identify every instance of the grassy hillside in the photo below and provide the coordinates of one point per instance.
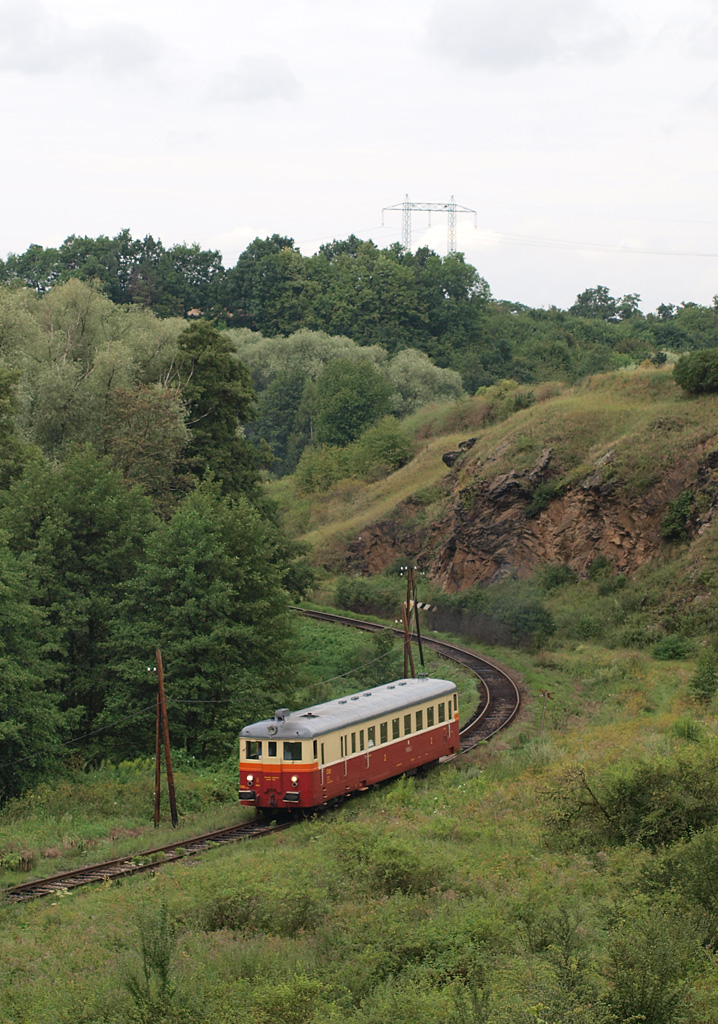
(565, 872)
(556, 876)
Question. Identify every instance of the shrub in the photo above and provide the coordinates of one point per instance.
(704, 682)
(554, 575)
(691, 867)
(320, 467)
(381, 449)
(697, 372)
(672, 648)
(652, 955)
(652, 801)
(677, 516)
(508, 611)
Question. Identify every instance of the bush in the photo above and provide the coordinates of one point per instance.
(672, 648)
(381, 449)
(697, 372)
(554, 575)
(704, 683)
(652, 801)
(320, 467)
(652, 955)
(514, 605)
(677, 516)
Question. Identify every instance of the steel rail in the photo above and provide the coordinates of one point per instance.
(498, 706)
(135, 863)
(501, 697)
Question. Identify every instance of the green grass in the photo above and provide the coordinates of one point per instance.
(421, 900)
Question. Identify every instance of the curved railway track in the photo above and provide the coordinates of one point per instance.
(500, 695)
(499, 703)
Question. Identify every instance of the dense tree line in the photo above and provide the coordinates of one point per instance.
(131, 516)
(389, 297)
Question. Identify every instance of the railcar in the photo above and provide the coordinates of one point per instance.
(310, 758)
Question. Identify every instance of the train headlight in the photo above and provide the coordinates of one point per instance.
(294, 780)
(250, 780)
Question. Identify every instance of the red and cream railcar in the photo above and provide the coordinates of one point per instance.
(309, 758)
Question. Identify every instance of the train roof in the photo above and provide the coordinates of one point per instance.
(349, 711)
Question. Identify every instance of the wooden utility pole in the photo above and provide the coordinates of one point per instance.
(157, 764)
(416, 616)
(162, 707)
(408, 655)
(545, 694)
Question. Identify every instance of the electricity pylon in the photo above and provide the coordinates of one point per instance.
(451, 208)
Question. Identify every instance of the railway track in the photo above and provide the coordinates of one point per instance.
(498, 705)
(500, 696)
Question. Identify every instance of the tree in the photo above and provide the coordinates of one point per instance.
(31, 723)
(218, 393)
(209, 595)
(145, 436)
(697, 372)
(350, 396)
(417, 381)
(85, 531)
(596, 303)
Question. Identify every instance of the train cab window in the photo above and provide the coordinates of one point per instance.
(271, 748)
(292, 751)
(254, 750)
(384, 732)
(419, 721)
(429, 717)
(407, 724)
(371, 736)
(314, 750)
(442, 712)
(361, 739)
(395, 728)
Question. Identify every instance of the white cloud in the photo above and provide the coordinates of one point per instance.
(508, 35)
(35, 41)
(255, 79)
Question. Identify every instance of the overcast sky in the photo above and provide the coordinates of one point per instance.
(583, 132)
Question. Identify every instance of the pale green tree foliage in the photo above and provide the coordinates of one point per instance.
(417, 381)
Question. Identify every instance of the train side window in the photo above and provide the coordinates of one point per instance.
(395, 728)
(442, 711)
(384, 732)
(354, 743)
(322, 753)
(407, 724)
(271, 748)
(315, 750)
(371, 736)
(419, 721)
(292, 751)
(361, 739)
(456, 703)
(341, 746)
(429, 717)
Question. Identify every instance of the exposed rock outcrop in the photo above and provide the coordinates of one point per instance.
(491, 528)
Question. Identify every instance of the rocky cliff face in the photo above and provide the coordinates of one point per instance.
(511, 522)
